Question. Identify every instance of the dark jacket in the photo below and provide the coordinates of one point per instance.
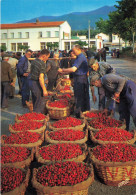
(6, 73)
(22, 66)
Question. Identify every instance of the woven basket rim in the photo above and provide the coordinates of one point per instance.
(79, 141)
(110, 164)
(78, 158)
(131, 141)
(85, 184)
(22, 186)
(23, 163)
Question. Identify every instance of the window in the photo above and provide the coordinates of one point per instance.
(19, 35)
(13, 46)
(114, 38)
(4, 35)
(40, 34)
(42, 45)
(27, 34)
(48, 34)
(56, 33)
(18, 44)
(26, 44)
(12, 35)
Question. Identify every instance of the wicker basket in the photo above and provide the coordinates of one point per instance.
(40, 130)
(45, 119)
(20, 190)
(22, 164)
(58, 113)
(92, 111)
(123, 126)
(77, 189)
(80, 141)
(96, 141)
(115, 173)
(29, 145)
(78, 127)
(79, 158)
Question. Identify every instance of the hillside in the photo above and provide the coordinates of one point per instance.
(78, 20)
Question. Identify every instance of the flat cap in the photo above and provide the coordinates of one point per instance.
(92, 61)
(94, 78)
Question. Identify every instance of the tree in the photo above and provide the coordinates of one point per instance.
(3, 47)
(23, 47)
(81, 43)
(128, 12)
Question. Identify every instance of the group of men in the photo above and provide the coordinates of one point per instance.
(111, 87)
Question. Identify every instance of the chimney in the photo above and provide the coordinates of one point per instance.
(37, 21)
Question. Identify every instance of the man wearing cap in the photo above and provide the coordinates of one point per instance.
(100, 69)
(81, 84)
(120, 89)
(6, 79)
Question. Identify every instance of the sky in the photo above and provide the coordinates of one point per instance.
(16, 10)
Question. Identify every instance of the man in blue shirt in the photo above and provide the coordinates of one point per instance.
(23, 70)
(121, 90)
(81, 85)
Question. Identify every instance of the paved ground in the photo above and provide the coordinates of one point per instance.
(123, 67)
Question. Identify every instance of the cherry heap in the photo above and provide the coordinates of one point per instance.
(103, 122)
(67, 122)
(115, 153)
(66, 135)
(62, 174)
(32, 116)
(27, 125)
(113, 134)
(22, 138)
(59, 103)
(14, 154)
(11, 178)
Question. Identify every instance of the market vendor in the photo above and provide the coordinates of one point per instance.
(120, 89)
(36, 83)
(81, 85)
(100, 68)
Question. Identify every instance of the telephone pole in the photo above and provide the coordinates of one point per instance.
(88, 34)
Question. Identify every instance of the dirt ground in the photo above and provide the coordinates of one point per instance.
(123, 67)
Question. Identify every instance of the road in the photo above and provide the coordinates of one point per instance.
(123, 67)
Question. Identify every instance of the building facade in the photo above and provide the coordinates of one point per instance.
(38, 35)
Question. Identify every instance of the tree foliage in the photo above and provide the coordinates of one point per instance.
(122, 21)
(81, 43)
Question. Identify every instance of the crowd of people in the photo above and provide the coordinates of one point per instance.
(86, 69)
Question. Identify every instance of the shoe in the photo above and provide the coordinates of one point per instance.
(4, 107)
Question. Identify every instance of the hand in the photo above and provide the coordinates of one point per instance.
(94, 98)
(60, 70)
(45, 93)
(116, 97)
(12, 84)
(25, 74)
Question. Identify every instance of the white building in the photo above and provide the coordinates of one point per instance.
(114, 43)
(37, 36)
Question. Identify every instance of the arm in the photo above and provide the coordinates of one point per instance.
(20, 67)
(67, 70)
(42, 84)
(93, 94)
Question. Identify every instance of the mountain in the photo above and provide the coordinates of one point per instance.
(78, 20)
